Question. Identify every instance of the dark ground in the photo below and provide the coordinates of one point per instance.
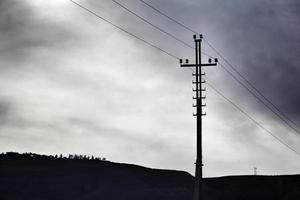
(36, 177)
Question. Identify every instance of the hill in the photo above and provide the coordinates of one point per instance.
(37, 177)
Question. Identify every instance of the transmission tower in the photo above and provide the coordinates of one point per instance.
(255, 171)
(199, 89)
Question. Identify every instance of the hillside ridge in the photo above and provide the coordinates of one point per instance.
(33, 176)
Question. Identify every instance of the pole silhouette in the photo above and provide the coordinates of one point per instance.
(199, 89)
(255, 171)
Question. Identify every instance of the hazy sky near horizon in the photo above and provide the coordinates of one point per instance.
(71, 83)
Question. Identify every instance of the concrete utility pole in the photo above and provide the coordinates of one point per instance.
(198, 189)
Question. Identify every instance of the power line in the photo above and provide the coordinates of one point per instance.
(125, 31)
(236, 71)
(252, 119)
(156, 27)
(257, 97)
(175, 57)
(170, 18)
(153, 25)
(252, 86)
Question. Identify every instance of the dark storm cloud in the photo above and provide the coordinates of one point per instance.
(260, 37)
(265, 36)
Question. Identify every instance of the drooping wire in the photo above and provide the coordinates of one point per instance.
(253, 120)
(236, 71)
(123, 30)
(252, 85)
(175, 57)
(170, 18)
(153, 25)
(158, 28)
(249, 117)
(257, 97)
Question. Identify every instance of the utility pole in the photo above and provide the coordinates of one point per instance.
(198, 189)
(255, 171)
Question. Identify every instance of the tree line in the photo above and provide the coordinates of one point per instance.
(61, 156)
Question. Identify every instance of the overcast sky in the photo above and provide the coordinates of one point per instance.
(71, 83)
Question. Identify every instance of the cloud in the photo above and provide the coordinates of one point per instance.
(5, 109)
(24, 33)
(265, 37)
